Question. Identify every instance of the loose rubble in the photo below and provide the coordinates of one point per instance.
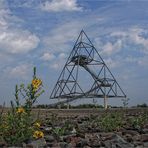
(85, 132)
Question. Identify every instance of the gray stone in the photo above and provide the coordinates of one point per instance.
(49, 138)
(136, 137)
(138, 143)
(117, 141)
(145, 131)
(63, 145)
(106, 136)
(40, 143)
(144, 137)
(131, 132)
(139, 146)
(82, 143)
(95, 143)
(69, 145)
(67, 138)
(129, 138)
(145, 144)
(108, 144)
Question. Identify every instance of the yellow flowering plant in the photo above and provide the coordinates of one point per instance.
(20, 110)
(38, 134)
(17, 125)
(37, 125)
(36, 83)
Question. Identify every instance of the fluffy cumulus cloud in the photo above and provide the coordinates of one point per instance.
(17, 41)
(112, 48)
(136, 36)
(55, 61)
(61, 40)
(124, 46)
(133, 36)
(60, 5)
(3, 14)
(47, 56)
(20, 71)
(59, 62)
(13, 40)
(112, 63)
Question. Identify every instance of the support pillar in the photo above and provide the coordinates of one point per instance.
(59, 106)
(105, 102)
(67, 104)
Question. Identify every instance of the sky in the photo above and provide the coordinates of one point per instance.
(42, 33)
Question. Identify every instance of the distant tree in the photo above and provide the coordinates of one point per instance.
(63, 106)
(125, 102)
(142, 105)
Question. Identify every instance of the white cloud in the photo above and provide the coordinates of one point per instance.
(59, 62)
(13, 40)
(60, 43)
(131, 59)
(136, 36)
(55, 62)
(63, 56)
(143, 61)
(3, 15)
(112, 48)
(133, 36)
(22, 71)
(63, 36)
(55, 66)
(112, 63)
(60, 5)
(47, 56)
(17, 41)
(119, 34)
(60, 39)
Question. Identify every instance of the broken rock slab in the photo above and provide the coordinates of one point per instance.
(39, 143)
(117, 142)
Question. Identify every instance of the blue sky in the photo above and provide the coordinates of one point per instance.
(42, 33)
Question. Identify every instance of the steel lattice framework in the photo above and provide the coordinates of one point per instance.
(85, 56)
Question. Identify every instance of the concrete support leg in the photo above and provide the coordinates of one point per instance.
(105, 102)
(59, 106)
(67, 104)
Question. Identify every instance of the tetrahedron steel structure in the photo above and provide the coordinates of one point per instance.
(85, 57)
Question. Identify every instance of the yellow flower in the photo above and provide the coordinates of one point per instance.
(38, 134)
(36, 83)
(20, 110)
(37, 125)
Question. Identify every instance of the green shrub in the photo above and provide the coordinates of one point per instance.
(111, 122)
(138, 122)
(17, 125)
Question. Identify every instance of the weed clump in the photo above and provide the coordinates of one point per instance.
(17, 125)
